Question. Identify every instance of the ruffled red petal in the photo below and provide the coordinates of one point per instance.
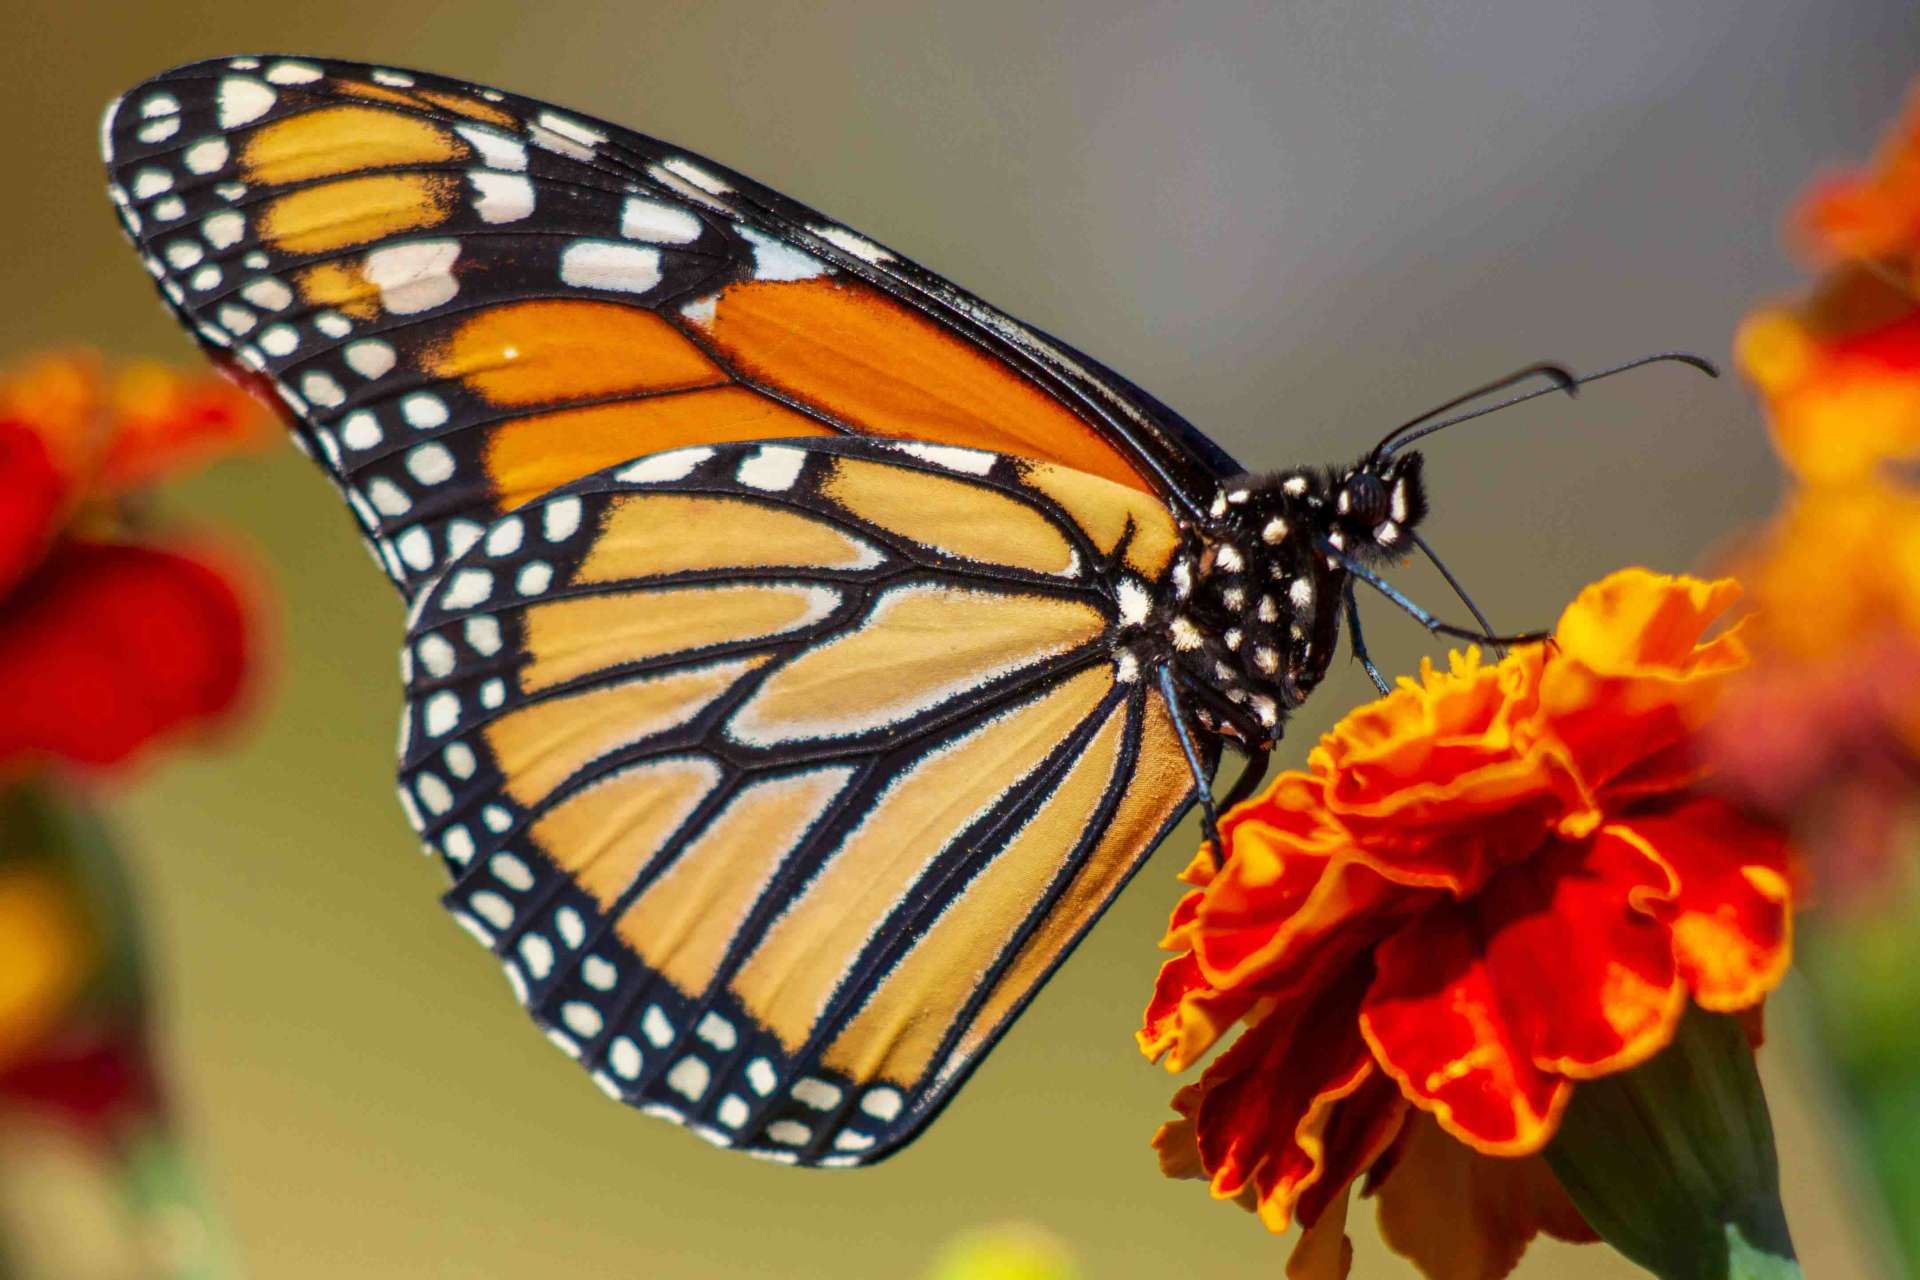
(1287, 1108)
(109, 646)
(1731, 913)
(1586, 977)
(1435, 1022)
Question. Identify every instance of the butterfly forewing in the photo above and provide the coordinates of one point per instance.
(776, 833)
(468, 299)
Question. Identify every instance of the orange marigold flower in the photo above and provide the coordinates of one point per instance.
(106, 644)
(1488, 885)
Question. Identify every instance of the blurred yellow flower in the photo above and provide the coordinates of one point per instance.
(1004, 1251)
(45, 956)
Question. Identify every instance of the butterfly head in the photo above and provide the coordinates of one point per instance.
(1376, 505)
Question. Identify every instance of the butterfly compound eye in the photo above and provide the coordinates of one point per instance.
(1366, 499)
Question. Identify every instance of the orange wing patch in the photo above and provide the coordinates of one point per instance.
(954, 517)
(337, 140)
(530, 456)
(570, 638)
(543, 744)
(604, 834)
(353, 211)
(858, 356)
(647, 537)
(1109, 513)
(556, 352)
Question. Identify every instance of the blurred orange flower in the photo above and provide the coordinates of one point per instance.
(1826, 730)
(1486, 886)
(1841, 371)
(106, 644)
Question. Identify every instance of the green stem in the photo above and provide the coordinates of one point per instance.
(1673, 1162)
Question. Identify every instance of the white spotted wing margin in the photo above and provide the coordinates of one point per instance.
(758, 870)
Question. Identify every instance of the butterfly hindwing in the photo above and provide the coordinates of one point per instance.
(468, 299)
(779, 776)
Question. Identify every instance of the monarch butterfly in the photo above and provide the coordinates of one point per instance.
(801, 653)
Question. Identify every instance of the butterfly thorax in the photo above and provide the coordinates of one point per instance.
(1250, 614)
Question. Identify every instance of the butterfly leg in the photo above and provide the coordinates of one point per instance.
(1418, 614)
(1203, 785)
(1359, 642)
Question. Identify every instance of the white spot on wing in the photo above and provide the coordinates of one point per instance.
(205, 156)
(370, 358)
(699, 177)
(643, 219)
(561, 519)
(674, 464)
(771, 467)
(223, 230)
(777, 260)
(497, 150)
(243, 100)
(972, 462)
(414, 277)
(857, 245)
(568, 127)
(610, 265)
(689, 1078)
(294, 73)
(501, 197)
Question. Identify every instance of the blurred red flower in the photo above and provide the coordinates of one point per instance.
(1488, 885)
(106, 643)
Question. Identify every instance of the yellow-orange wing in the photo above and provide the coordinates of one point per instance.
(468, 299)
(779, 776)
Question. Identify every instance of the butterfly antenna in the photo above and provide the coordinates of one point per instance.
(1396, 440)
(1558, 374)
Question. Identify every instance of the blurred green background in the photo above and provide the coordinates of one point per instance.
(1297, 223)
